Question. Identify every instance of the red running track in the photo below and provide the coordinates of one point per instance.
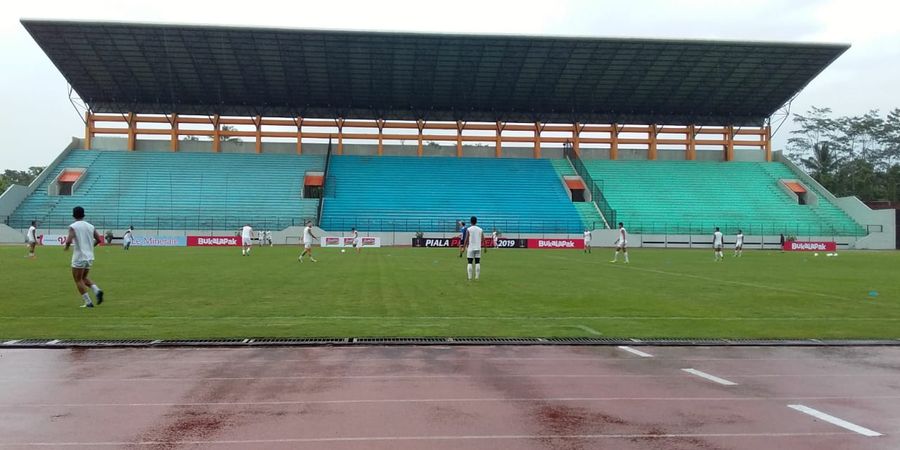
(450, 397)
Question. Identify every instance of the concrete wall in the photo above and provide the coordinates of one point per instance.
(749, 155)
(880, 224)
(670, 155)
(11, 236)
(633, 154)
(770, 242)
(870, 219)
(594, 153)
(710, 155)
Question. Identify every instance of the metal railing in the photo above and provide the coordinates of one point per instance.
(152, 222)
(595, 187)
(324, 181)
(448, 225)
(749, 229)
(161, 222)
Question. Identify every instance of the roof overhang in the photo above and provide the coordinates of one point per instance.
(119, 67)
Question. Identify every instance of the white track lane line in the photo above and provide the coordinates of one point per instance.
(529, 437)
(635, 351)
(276, 403)
(835, 421)
(709, 377)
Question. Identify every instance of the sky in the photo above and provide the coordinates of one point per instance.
(38, 119)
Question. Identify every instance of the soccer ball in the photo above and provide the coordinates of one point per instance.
(343, 250)
(815, 254)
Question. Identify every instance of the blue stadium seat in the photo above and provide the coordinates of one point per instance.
(430, 194)
(195, 191)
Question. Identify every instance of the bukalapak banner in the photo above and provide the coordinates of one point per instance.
(213, 241)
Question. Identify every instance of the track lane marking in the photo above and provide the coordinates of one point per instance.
(417, 438)
(835, 420)
(432, 376)
(635, 351)
(444, 400)
(709, 377)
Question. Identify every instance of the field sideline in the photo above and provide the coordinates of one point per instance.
(197, 293)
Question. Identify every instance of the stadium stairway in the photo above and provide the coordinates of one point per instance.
(157, 190)
(696, 196)
(400, 193)
(588, 212)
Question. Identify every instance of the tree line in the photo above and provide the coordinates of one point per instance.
(21, 177)
(850, 155)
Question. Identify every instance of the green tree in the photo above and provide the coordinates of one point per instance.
(20, 177)
(850, 155)
(823, 165)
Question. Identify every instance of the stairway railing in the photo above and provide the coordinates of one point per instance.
(595, 187)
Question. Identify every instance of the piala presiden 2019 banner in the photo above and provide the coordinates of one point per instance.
(504, 243)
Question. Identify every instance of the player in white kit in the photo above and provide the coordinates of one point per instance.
(31, 239)
(495, 238)
(739, 244)
(84, 237)
(718, 242)
(621, 244)
(587, 240)
(246, 239)
(308, 237)
(472, 243)
(128, 238)
(356, 242)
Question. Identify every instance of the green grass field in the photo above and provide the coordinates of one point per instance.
(194, 293)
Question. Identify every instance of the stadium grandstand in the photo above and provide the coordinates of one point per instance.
(205, 128)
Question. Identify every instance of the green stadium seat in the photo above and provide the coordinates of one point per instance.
(678, 197)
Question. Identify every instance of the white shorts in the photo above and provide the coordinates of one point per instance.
(356, 242)
(246, 242)
(587, 242)
(473, 253)
(83, 264)
(738, 245)
(621, 244)
(307, 246)
(30, 241)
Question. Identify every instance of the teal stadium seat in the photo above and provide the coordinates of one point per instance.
(695, 196)
(429, 194)
(193, 191)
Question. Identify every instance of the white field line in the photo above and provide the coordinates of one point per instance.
(635, 351)
(588, 329)
(709, 377)
(835, 421)
(720, 281)
(522, 318)
(443, 400)
(247, 442)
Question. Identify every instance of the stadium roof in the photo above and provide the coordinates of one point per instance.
(118, 67)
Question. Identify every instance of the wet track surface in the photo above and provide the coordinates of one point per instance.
(506, 397)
